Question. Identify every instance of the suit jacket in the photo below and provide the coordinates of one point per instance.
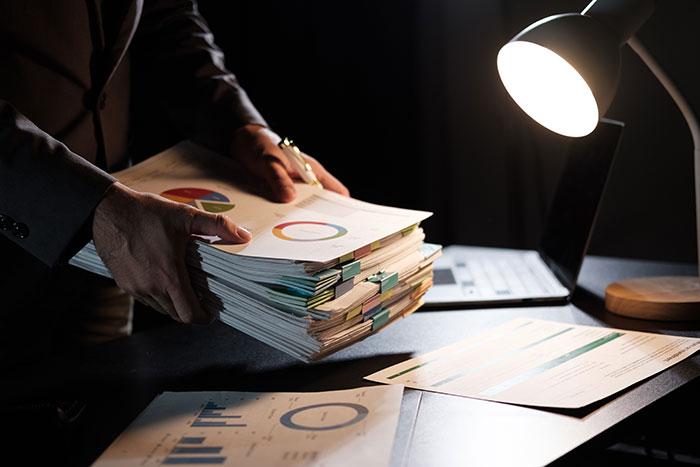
(66, 110)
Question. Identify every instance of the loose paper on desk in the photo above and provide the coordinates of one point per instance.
(318, 225)
(542, 363)
(339, 428)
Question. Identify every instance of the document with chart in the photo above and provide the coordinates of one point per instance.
(319, 225)
(320, 273)
(542, 363)
(339, 428)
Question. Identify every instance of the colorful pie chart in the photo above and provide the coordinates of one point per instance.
(200, 198)
(308, 231)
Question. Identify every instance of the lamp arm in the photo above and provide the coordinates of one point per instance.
(687, 111)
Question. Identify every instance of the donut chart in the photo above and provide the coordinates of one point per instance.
(308, 231)
(200, 198)
(360, 413)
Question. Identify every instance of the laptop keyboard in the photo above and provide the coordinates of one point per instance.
(500, 278)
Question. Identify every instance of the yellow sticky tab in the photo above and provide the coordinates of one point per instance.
(408, 230)
(352, 313)
(347, 257)
(375, 245)
(387, 295)
(422, 280)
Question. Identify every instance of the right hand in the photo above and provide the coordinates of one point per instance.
(142, 239)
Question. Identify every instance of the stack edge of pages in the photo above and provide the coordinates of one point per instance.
(320, 273)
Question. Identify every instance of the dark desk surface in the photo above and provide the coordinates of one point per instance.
(118, 379)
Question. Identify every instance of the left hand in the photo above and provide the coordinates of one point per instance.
(256, 148)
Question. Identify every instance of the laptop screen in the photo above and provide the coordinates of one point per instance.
(575, 204)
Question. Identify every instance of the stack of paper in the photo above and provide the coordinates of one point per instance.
(321, 272)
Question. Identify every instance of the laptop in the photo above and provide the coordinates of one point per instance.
(483, 276)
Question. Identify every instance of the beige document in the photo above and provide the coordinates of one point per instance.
(542, 363)
(354, 427)
(318, 226)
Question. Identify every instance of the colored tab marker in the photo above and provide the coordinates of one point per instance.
(380, 319)
(351, 270)
(376, 245)
(354, 312)
(386, 280)
(389, 281)
(371, 303)
(344, 287)
(387, 295)
(347, 257)
(408, 230)
(421, 290)
(364, 251)
(369, 314)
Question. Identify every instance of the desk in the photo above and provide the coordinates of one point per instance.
(118, 379)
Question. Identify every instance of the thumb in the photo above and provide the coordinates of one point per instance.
(205, 223)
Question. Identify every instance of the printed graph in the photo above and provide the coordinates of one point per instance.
(308, 231)
(200, 198)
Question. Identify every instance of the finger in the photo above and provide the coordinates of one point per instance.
(276, 175)
(162, 306)
(152, 304)
(185, 301)
(327, 179)
(205, 223)
(166, 304)
(331, 183)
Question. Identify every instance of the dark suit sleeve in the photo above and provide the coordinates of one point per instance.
(45, 189)
(174, 50)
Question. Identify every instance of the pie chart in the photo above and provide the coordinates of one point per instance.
(200, 198)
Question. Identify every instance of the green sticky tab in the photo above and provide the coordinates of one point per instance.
(377, 277)
(351, 270)
(380, 319)
(386, 280)
(389, 281)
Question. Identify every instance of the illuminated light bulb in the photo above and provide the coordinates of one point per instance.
(548, 88)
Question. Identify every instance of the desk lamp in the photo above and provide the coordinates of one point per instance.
(563, 72)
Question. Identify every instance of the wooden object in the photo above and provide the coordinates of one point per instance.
(666, 298)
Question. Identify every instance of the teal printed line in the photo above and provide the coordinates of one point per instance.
(455, 352)
(502, 357)
(551, 364)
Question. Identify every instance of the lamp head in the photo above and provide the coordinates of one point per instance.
(562, 71)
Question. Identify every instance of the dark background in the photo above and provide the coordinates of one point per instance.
(401, 100)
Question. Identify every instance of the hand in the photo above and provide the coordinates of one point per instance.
(142, 239)
(256, 148)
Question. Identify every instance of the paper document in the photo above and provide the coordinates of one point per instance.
(320, 273)
(542, 363)
(339, 428)
(318, 225)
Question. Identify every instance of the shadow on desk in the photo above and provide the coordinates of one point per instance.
(103, 390)
(76, 404)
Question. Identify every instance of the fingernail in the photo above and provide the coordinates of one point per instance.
(244, 233)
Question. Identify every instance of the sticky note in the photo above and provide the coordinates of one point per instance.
(371, 302)
(351, 270)
(380, 319)
(344, 287)
(354, 312)
(364, 251)
(347, 257)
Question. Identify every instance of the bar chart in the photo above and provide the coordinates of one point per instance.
(340, 428)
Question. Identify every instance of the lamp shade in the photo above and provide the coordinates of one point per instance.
(562, 71)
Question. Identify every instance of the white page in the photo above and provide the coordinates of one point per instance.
(318, 225)
(542, 363)
(354, 427)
